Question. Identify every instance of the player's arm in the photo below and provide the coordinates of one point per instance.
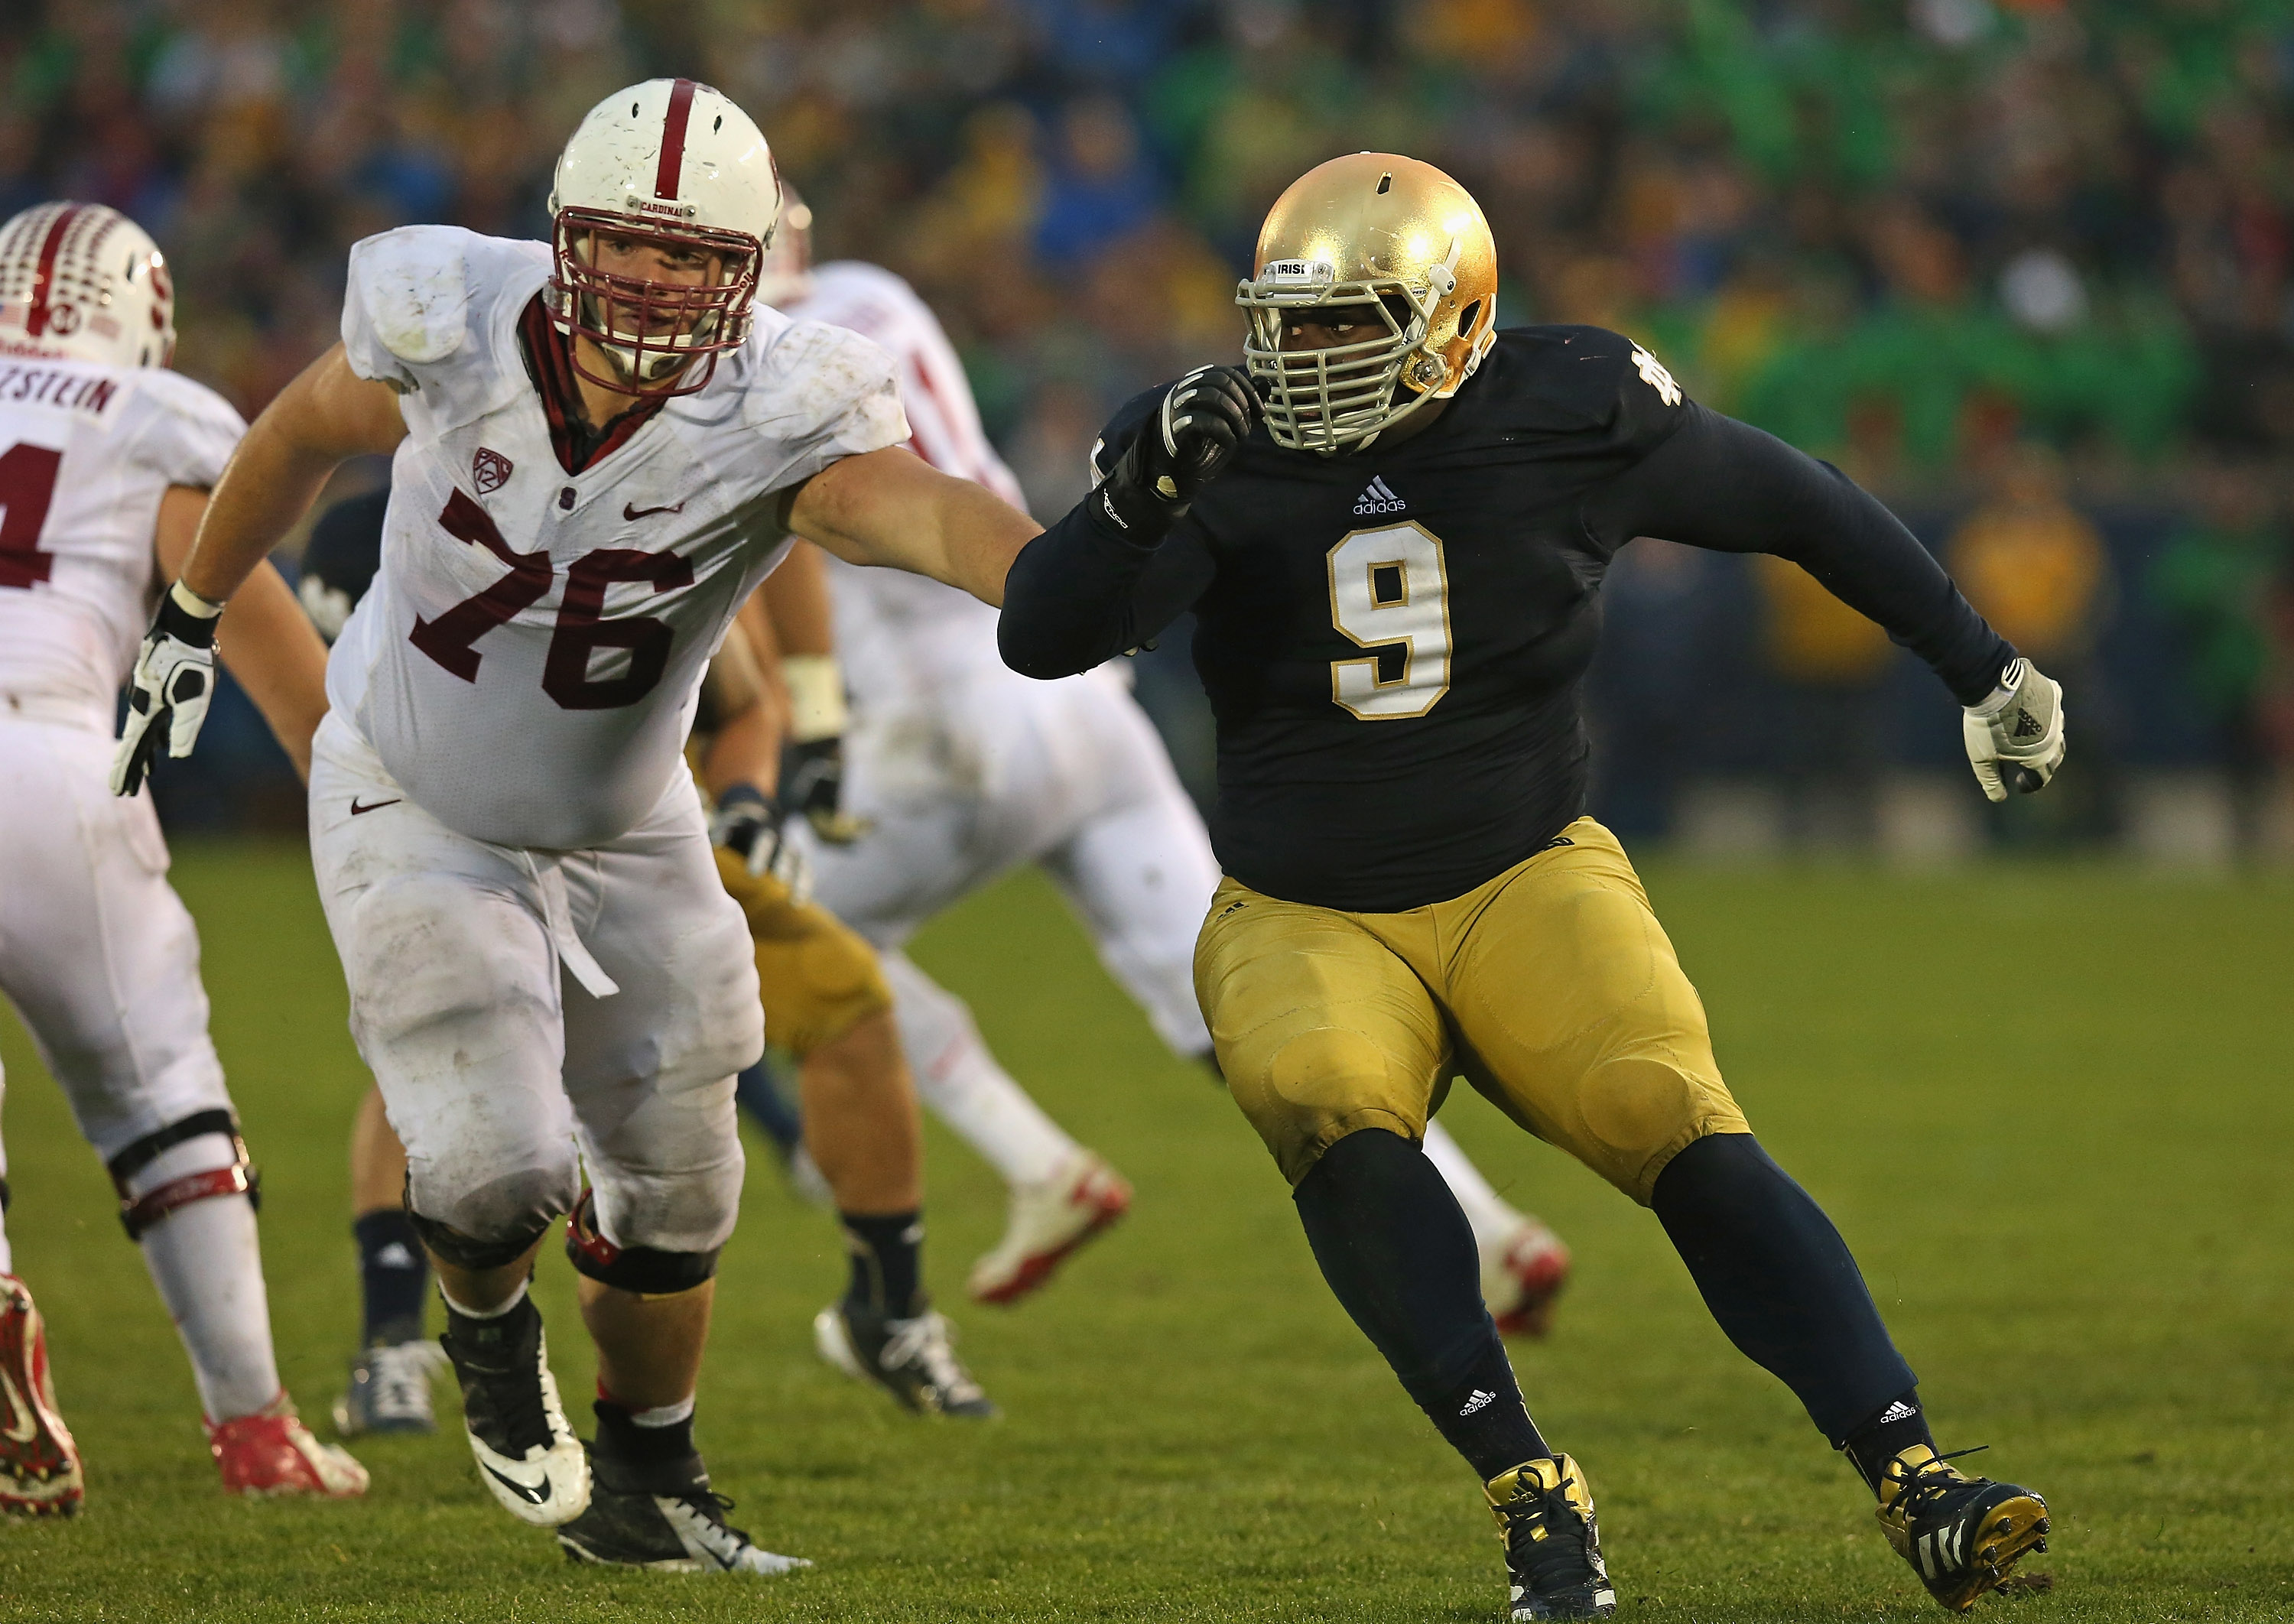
(795, 601)
(328, 415)
(1716, 482)
(890, 507)
(264, 639)
(1100, 581)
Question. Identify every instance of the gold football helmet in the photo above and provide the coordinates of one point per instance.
(1399, 241)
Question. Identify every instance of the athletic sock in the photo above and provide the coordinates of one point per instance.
(1780, 1281)
(1400, 1256)
(887, 1272)
(636, 1450)
(1901, 1425)
(207, 1263)
(394, 1276)
(964, 1086)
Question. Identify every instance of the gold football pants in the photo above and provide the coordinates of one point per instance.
(1551, 988)
(818, 978)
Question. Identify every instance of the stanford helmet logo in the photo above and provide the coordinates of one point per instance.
(489, 471)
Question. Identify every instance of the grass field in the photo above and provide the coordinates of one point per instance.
(2051, 1109)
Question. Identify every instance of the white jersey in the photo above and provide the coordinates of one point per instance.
(86, 452)
(526, 663)
(898, 633)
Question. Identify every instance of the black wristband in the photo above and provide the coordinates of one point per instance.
(1123, 512)
(181, 624)
(744, 795)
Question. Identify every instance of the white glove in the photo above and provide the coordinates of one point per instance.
(756, 831)
(2015, 737)
(170, 687)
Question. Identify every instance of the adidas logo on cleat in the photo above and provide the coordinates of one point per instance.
(1379, 498)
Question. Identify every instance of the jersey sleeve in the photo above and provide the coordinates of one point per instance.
(824, 393)
(406, 303)
(189, 434)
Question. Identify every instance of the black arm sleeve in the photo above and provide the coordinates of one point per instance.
(1083, 592)
(1716, 482)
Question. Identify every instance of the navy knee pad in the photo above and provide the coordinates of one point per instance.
(646, 1270)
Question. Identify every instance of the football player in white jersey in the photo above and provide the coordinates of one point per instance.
(962, 769)
(106, 457)
(601, 445)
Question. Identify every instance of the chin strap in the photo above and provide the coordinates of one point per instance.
(138, 1214)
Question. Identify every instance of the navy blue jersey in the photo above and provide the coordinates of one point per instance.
(1392, 639)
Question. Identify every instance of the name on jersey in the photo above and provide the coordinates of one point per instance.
(49, 387)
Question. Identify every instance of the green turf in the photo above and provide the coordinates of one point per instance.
(2050, 1108)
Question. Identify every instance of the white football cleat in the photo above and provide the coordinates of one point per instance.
(1521, 1276)
(1049, 1221)
(389, 1389)
(526, 1451)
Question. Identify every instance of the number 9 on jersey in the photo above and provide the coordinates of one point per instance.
(1389, 589)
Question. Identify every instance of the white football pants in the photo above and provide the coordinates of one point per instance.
(530, 1014)
(100, 959)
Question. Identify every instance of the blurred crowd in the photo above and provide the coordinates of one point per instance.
(2025, 267)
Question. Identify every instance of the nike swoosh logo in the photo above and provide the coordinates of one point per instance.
(359, 811)
(629, 512)
(533, 1494)
(23, 1425)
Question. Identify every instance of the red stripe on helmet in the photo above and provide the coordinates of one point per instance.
(672, 140)
(36, 321)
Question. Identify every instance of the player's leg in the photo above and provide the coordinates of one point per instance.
(825, 999)
(40, 1473)
(113, 999)
(1525, 1265)
(1582, 1026)
(649, 1073)
(389, 1388)
(1334, 1050)
(451, 957)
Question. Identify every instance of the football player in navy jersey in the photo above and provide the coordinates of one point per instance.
(1392, 528)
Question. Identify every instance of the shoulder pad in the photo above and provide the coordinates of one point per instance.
(415, 287)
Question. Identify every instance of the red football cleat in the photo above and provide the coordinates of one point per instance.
(39, 1463)
(1522, 1277)
(271, 1452)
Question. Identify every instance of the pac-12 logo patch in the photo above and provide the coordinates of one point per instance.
(489, 471)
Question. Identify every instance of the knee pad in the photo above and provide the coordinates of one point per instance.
(450, 1246)
(646, 1270)
(1639, 1113)
(138, 1214)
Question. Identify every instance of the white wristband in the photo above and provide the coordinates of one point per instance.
(815, 685)
(191, 604)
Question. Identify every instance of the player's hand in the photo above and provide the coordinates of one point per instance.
(170, 687)
(2015, 737)
(812, 783)
(1204, 417)
(757, 831)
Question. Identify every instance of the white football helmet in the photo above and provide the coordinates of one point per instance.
(81, 282)
(672, 163)
(787, 275)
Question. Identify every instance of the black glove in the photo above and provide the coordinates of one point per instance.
(756, 831)
(812, 785)
(1181, 449)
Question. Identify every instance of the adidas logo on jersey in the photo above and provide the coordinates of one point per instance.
(1379, 498)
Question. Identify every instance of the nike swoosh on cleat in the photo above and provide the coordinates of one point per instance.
(531, 1494)
(631, 511)
(23, 1423)
(359, 811)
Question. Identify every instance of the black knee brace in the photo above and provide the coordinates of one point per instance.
(450, 1246)
(643, 1270)
(138, 1214)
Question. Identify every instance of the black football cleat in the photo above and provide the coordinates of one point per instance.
(1961, 1534)
(1552, 1544)
(914, 1359)
(666, 1519)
